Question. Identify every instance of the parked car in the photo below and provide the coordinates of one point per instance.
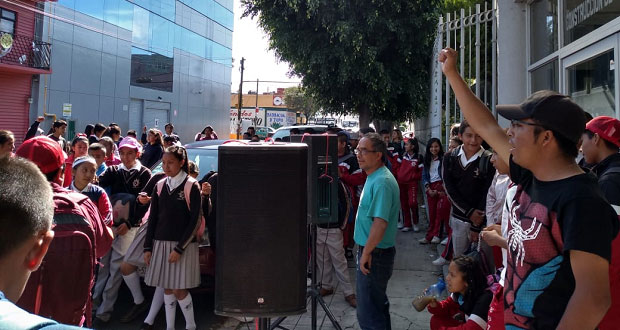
(284, 133)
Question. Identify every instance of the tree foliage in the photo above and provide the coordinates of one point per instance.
(370, 57)
(297, 99)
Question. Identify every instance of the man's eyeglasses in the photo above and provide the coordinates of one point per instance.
(363, 151)
(515, 123)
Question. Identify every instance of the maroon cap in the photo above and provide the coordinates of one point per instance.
(606, 127)
(552, 110)
(44, 152)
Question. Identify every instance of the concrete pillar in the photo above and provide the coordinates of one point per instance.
(512, 55)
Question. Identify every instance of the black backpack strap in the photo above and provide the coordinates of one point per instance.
(485, 162)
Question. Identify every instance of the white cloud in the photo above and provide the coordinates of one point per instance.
(250, 42)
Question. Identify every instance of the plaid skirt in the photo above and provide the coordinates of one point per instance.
(183, 274)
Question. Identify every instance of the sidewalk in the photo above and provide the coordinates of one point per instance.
(413, 272)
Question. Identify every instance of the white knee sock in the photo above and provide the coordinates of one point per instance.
(170, 302)
(133, 282)
(158, 300)
(187, 307)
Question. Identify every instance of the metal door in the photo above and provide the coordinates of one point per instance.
(135, 115)
(156, 114)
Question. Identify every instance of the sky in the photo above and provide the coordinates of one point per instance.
(250, 42)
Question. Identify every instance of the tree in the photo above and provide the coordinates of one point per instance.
(370, 57)
(297, 99)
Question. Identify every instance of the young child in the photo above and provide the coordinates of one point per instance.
(125, 182)
(438, 203)
(170, 248)
(469, 298)
(83, 174)
(112, 156)
(409, 172)
(98, 152)
(79, 148)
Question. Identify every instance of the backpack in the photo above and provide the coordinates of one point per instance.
(187, 188)
(60, 288)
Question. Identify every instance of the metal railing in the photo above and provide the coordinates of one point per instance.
(25, 51)
(473, 34)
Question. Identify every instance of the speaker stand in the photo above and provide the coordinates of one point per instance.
(264, 323)
(313, 292)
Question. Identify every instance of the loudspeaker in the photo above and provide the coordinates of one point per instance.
(261, 242)
(322, 177)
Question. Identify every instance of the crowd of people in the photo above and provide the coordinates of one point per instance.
(529, 234)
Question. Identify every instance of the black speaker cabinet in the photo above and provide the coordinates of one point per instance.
(322, 183)
(261, 230)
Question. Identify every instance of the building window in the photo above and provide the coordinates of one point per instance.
(584, 16)
(151, 70)
(7, 21)
(591, 84)
(543, 29)
(545, 77)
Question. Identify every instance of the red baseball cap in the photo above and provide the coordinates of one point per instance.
(606, 127)
(44, 152)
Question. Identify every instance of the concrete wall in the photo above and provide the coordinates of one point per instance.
(512, 55)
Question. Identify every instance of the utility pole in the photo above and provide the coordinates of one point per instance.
(256, 93)
(240, 100)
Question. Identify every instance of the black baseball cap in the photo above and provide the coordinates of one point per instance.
(552, 110)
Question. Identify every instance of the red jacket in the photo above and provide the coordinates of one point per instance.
(447, 309)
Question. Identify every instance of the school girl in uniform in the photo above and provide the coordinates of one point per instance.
(438, 203)
(408, 174)
(84, 169)
(171, 248)
(79, 148)
(124, 181)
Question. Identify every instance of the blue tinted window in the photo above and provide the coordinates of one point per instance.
(213, 10)
(140, 31)
(221, 55)
(90, 7)
(159, 35)
(110, 11)
(125, 15)
(67, 3)
(223, 16)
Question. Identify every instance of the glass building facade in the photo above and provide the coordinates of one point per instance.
(140, 62)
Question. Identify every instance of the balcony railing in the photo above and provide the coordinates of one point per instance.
(24, 51)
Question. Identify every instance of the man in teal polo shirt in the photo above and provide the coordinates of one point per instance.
(375, 233)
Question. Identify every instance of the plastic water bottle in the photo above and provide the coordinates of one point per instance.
(436, 289)
(433, 291)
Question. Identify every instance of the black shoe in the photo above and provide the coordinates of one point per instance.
(134, 312)
(100, 323)
(146, 326)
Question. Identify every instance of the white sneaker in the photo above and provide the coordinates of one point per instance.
(423, 241)
(440, 261)
(416, 228)
(435, 240)
(444, 242)
(400, 225)
(405, 229)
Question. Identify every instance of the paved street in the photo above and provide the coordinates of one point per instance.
(413, 272)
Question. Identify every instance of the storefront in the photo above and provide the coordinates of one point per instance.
(572, 47)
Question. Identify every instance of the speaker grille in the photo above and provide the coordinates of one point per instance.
(261, 230)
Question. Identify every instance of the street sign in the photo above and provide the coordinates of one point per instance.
(66, 110)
